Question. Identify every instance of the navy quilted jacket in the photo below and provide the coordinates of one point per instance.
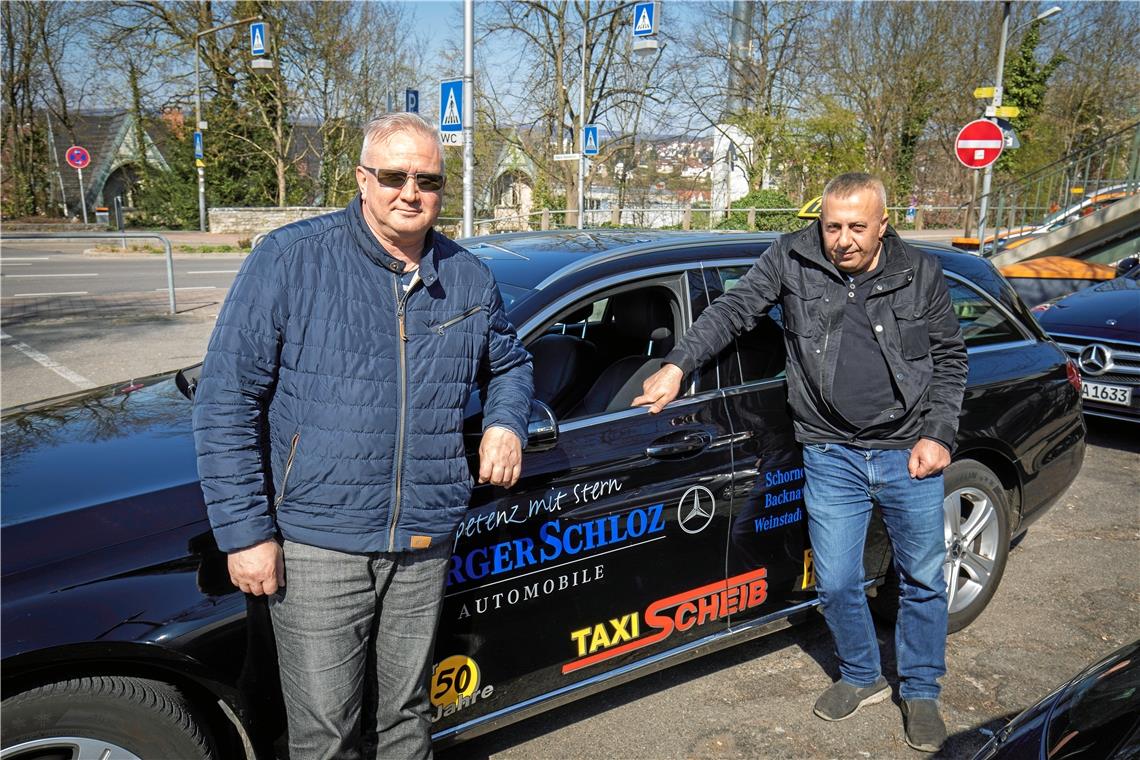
(330, 407)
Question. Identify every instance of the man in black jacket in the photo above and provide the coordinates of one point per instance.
(876, 372)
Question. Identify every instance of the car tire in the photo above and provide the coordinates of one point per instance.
(116, 718)
(976, 524)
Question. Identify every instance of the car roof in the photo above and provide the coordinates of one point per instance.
(529, 259)
(533, 259)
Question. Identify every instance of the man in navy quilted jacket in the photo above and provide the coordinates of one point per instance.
(328, 422)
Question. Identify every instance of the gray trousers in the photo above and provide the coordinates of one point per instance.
(355, 634)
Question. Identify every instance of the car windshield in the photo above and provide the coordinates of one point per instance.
(1097, 713)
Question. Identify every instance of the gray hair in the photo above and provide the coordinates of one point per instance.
(385, 126)
(846, 185)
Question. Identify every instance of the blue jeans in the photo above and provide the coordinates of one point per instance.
(841, 485)
(358, 630)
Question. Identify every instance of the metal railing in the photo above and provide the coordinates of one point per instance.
(1065, 190)
(696, 218)
(119, 236)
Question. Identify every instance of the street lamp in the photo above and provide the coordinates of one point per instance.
(987, 177)
(199, 125)
(641, 46)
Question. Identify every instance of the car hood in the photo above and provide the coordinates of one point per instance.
(95, 470)
(1089, 312)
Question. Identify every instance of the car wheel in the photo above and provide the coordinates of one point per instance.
(976, 523)
(102, 718)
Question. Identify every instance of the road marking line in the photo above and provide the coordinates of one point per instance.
(15, 264)
(43, 359)
(216, 271)
(78, 274)
(24, 258)
(34, 295)
(195, 287)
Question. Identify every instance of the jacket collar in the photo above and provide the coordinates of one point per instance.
(371, 247)
(808, 243)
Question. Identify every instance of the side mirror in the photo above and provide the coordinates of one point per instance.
(542, 427)
(1126, 265)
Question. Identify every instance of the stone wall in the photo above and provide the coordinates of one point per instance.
(257, 220)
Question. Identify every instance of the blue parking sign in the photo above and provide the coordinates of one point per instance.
(590, 140)
(644, 19)
(412, 101)
(257, 38)
(198, 145)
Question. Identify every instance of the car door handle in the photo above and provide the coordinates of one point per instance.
(688, 444)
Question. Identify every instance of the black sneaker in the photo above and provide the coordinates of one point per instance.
(842, 699)
(925, 730)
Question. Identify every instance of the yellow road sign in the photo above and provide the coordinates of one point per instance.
(199, 163)
(1007, 112)
(983, 92)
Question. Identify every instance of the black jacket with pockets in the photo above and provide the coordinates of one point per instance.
(914, 323)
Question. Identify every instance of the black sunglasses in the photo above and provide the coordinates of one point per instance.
(395, 179)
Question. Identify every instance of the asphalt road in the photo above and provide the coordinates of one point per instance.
(70, 321)
(40, 270)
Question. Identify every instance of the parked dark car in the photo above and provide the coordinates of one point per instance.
(1094, 716)
(1099, 327)
(631, 542)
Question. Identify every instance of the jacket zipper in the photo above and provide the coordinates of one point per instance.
(443, 326)
(401, 303)
(288, 467)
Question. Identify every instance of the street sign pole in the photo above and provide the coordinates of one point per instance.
(468, 118)
(582, 129)
(82, 195)
(198, 125)
(987, 178)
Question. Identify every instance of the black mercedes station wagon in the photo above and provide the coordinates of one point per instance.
(631, 542)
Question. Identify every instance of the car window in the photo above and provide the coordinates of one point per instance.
(594, 356)
(579, 320)
(982, 323)
(757, 354)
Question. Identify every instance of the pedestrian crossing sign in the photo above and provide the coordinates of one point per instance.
(590, 140)
(257, 38)
(644, 19)
(451, 106)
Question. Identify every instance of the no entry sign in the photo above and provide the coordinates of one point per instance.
(979, 144)
(78, 157)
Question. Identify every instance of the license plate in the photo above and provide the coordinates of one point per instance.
(1108, 394)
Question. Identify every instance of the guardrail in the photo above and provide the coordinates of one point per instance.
(121, 236)
(689, 218)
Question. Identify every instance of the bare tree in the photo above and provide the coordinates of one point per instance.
(343, 58)
(547, 36)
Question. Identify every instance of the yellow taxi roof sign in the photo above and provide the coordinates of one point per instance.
(812, 209)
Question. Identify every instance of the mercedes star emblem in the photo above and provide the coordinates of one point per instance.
(696, 509)
(1096, 359)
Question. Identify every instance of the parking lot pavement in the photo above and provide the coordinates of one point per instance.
(45, 358)
(1071, 594)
